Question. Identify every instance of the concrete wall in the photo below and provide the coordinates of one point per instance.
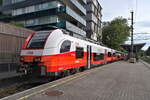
(11, 42)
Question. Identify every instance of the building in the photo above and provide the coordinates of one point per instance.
(93, 19)
(11, 41)
(67, 14)
(136, 49)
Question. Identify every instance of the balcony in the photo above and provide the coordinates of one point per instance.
(36, 8)
(62, 24)
(92, 17)
(84, 1)
(17, 1)
(75, 16)
(74, 29)
(79, 6)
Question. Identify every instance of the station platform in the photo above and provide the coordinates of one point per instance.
(116, 81)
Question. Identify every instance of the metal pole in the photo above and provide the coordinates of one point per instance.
(132, 46)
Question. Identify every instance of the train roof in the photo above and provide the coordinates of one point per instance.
(83, 39)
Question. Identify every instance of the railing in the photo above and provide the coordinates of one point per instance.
(75, 29)
(70, 12)
(79, 6)
(85, 1)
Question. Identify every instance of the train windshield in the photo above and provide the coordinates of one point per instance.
(38, 40)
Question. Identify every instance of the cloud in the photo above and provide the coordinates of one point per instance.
(140, 38)
(143, 24)
(115, 8)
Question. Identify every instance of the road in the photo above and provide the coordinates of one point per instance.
(116, 81)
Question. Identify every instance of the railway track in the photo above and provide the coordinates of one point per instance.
(16, 84)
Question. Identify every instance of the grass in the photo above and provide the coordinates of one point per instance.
(146, 59)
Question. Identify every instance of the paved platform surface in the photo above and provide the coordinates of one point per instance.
(117, 81)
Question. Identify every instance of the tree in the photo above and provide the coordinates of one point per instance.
(148, 51)
(115, 32)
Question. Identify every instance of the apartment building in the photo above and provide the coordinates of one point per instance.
(66, 14)
(82, 17)
(93, 19)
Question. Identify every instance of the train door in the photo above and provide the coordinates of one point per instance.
(89, 56)
(105, 56)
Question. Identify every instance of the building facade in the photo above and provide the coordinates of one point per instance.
(93, 19)
(67, 14)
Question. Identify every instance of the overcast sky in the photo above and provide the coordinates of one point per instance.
(115, 8)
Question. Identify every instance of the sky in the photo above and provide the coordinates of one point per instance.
(141, 8)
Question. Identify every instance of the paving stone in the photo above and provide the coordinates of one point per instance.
(117, 81)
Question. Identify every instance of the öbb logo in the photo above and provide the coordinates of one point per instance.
(30, 52)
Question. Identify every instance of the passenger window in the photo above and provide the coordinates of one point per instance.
(114, 54)
(98, 56)
(65, 47)
(79, 52)
(109, 54)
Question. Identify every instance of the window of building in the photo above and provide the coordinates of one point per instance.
(45, 6)
(19, 11)
(39, 7)
(79, 52)
(98, 56)
(42, 20)
(29, 9)
(16, 1)
(30, 22)
(76, 16)
(65, 47)
(13, 12)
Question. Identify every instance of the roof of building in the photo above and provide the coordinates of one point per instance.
(136, 47)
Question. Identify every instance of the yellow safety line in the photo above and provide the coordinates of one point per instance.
(52, 86)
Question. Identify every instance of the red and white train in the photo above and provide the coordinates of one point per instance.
(51, 53)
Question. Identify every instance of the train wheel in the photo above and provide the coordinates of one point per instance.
(72, 71)
(52, 78)
(65, 73)
(81, 69)
(78, 70)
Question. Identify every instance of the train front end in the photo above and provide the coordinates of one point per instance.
(31, 59)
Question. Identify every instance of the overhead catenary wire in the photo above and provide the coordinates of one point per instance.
(136, 9)
(133, 6)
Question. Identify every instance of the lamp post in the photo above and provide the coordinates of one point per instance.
(132, 46)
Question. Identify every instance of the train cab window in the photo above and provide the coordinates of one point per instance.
(79, 52)
(98, 56)
(109, 54)
(102, 56)
(38, 40)
(65, 47)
